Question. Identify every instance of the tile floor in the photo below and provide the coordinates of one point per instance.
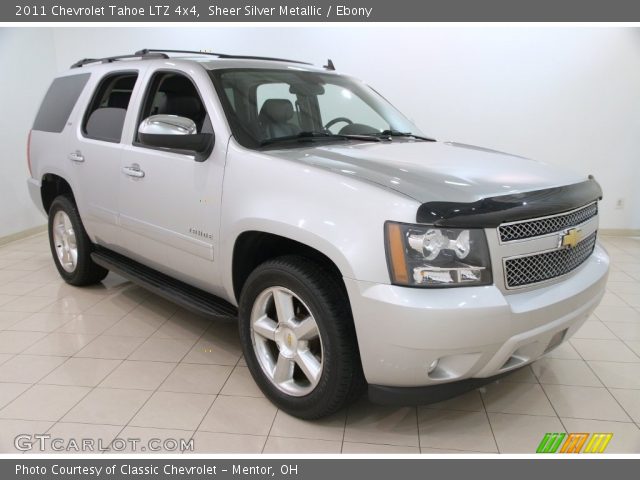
(114, 361)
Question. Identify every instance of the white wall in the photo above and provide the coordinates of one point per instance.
(569, 96)
(27, 64)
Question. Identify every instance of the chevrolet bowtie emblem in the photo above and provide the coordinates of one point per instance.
(571, 238)
(289, 339)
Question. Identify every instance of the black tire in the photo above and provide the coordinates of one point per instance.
(342, 380)
(86, 272)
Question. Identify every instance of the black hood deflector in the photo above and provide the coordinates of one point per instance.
(490, 212)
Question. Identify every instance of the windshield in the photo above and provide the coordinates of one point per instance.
(286, 107)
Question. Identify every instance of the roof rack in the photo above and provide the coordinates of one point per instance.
(149, 54)
(147, 51)
(142, 55)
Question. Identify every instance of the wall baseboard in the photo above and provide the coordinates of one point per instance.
(23, 234)
(619, 232)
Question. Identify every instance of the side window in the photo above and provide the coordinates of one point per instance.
(172, 93)
(338, 102)
(104, 119)
(231, 95)
(59, 102)
(277, 93)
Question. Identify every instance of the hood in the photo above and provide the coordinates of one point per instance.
(434, 171)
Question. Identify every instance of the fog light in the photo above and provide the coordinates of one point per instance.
(433, 365)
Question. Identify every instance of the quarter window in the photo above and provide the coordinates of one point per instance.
(59, 102)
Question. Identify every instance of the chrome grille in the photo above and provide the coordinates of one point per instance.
(542, 226)
(529, 269)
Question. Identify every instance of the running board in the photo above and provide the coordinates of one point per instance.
(187, 296)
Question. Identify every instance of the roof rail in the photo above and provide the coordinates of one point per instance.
(142, 55)
(147, 51)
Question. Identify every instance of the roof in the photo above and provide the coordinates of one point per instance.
(208, 60)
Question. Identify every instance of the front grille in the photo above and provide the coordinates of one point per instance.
(542, 226)
(539, 267)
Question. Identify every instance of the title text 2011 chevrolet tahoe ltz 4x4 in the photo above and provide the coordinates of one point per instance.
(353, 250)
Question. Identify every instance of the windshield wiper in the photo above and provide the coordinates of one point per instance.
(311, 135)
(396, 133)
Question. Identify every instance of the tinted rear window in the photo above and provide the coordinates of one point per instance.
(58, 103)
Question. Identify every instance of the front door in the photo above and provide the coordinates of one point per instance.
(169, 202)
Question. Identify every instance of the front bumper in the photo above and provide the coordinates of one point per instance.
(383, 395)
(473, 332)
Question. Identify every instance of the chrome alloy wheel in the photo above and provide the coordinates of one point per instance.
(286, 341)
(64, 240)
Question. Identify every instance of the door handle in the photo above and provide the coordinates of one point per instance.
(76, 156)
(133, 171)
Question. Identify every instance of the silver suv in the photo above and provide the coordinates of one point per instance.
(355, 251)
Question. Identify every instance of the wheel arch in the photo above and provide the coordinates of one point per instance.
(53, 185)
(253, 247)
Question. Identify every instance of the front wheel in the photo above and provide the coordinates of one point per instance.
(298, 337)
(71, 246)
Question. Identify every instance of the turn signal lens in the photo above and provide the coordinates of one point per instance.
(395, 251)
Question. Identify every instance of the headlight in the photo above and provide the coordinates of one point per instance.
(426, 256)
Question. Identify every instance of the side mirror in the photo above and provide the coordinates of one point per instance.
(175, 133)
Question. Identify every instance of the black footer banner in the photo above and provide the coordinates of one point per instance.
(318, 469)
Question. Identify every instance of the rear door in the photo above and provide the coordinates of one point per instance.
(170, 203)
(96, 154)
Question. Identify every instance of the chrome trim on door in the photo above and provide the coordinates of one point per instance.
(76, 156)
(133, 171)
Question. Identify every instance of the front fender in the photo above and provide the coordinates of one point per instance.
(281, 229)
(341, 217)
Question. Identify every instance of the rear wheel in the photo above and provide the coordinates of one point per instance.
(70, 245)
(298, 337)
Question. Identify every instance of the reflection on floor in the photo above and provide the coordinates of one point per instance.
(114, 361)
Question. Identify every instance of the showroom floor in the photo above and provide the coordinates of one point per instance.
(114, 361)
